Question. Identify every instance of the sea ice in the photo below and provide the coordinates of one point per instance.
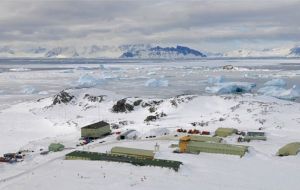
(275, 82)
(28, 89)
(217, 79)
(230, 87)
(157, 83)
(88, 81)
(21, 69)
(281, 93)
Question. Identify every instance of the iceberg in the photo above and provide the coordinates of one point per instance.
(157, 83)
(275, 82)
(281, 93)
(88, 81)
(217, 79)
(230, 87)
(28, 89)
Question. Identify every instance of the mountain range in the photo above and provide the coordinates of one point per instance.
(137, 51)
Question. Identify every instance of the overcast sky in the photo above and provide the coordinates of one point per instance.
(211, 25)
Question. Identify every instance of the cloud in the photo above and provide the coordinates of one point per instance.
(202, 23)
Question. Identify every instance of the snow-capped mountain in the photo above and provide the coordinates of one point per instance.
(161, 52)
(295, 51)
(137, 51)
(62, 52)
(275, 52)
(6, 51)
(95, 51)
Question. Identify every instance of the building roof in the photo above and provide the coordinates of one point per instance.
(218, 145)
(256, 133)
(289, 149)
(202, 138)
(132, 151)
(226, 130)
(185, 138)
(96, 125)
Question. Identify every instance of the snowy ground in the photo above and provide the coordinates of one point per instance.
(30, 123)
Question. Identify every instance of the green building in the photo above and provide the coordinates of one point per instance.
(55, 147)
(289, 149)
(202, 138)
(198, 147)
(95, 130)
(225, 132)
(83, 155)
(132, 152)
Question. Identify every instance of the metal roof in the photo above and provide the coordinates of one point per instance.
(289, 149)
(96, 125)
(226, 130)
(202, 138)
(132, 151)
(218, 145)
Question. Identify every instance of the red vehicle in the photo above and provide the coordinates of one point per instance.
(205, 133)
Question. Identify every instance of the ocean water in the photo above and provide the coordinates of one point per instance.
(31, 79)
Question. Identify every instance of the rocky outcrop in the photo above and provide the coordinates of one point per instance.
(62, 97)
(94, 98)
(122, 106)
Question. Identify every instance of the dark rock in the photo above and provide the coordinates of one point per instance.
(152, 109)
(114, 126)
(94, 98)
(151, 118)
(137, 102)
(122, 106)
(62, 97)
(202, 124)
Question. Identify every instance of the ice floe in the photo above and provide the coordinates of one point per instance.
(281, 93)
(89, 81)
(27, 89)
(157, 83)
(275, 82)
(217, 79)
(21, 69)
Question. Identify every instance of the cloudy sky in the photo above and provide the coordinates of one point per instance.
(211, 25)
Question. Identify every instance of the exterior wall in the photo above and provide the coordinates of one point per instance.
(289, 149)
(132, 155)
(95, 133)
(216, 148)
(132, 152)
(249, 138)
(83, 155)
(250, 133)
(183, 145)
(205, 139)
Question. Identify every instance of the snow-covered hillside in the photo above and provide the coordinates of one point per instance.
(60, 117)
